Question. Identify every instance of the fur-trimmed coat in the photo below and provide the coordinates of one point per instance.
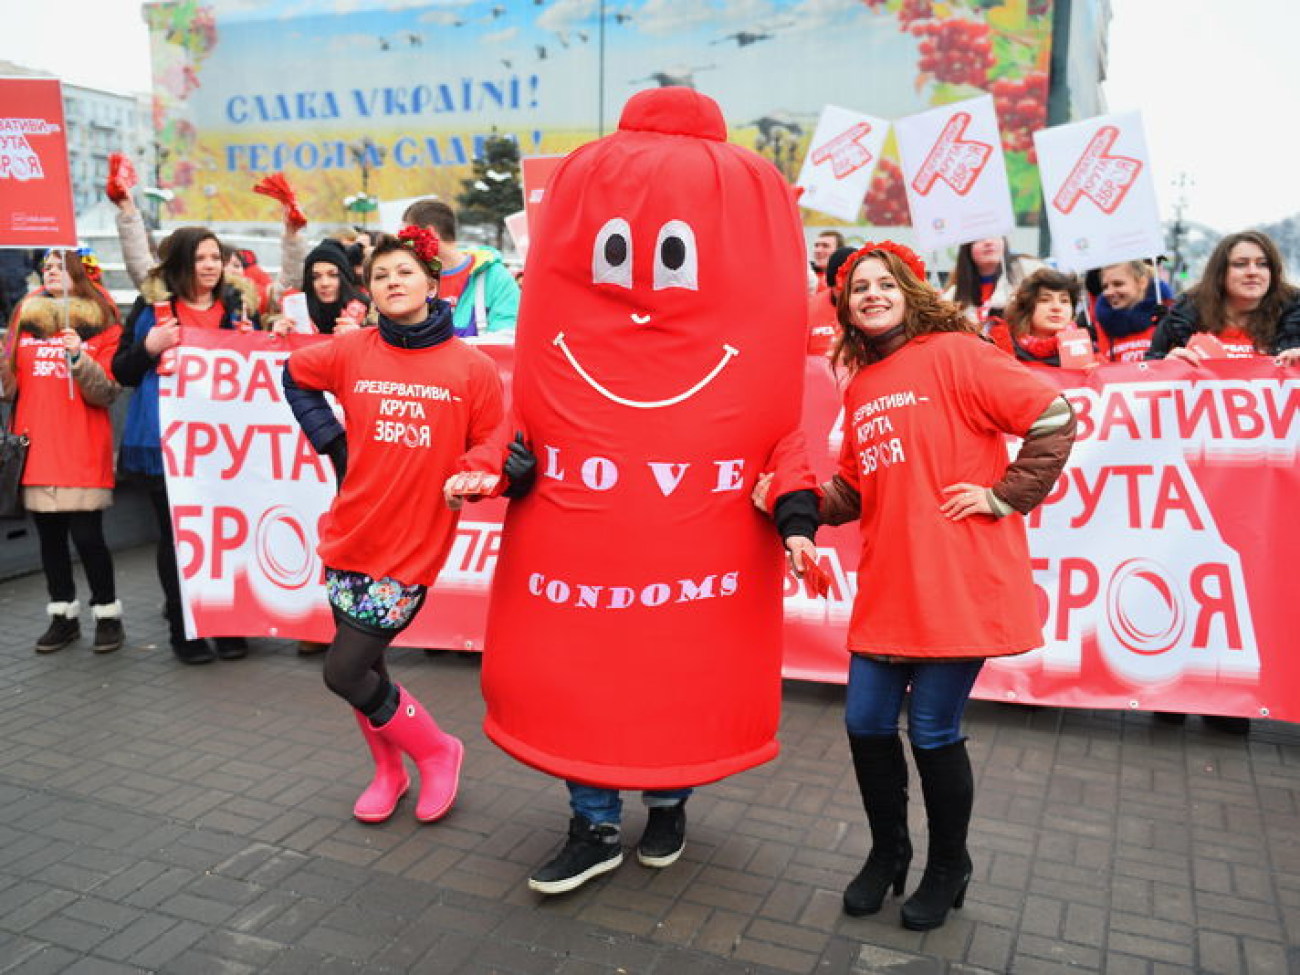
(43, 316)
(61, 403)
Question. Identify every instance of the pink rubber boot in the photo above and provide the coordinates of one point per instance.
(436, 754)
(390, 783)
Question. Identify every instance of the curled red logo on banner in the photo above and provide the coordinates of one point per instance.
(283, 548)
(1144, 608)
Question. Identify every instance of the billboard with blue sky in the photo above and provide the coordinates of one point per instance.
(247, 87)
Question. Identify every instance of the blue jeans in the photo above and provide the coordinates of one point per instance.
(939, 688)
(600, 806)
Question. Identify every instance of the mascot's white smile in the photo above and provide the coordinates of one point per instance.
(728, 353)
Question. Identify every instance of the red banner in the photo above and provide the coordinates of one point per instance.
(1162, 557)
(35, 179)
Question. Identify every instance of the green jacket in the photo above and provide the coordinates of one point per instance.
(490, 292)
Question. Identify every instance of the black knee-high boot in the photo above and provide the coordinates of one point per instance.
(882, 779)
(949, 791)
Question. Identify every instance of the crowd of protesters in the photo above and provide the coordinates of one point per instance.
(68, 354)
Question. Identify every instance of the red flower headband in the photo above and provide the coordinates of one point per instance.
(423, 243)
(904, 254)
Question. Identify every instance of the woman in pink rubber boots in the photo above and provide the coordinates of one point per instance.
(420, 407)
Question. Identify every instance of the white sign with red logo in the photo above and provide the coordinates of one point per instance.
(955, 174)
(1098, 191)
(841, 158)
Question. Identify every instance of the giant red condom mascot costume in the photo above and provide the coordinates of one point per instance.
(634, 638)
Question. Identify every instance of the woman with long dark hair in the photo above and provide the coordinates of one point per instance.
(984, 277)
(335, 302)
(1243, 300)
(62, 340)
(189, 288)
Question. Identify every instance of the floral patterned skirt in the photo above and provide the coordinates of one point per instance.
(383, 607)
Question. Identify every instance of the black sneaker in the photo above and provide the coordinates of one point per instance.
(231, 647)
(63, 630)
(590, 851)
(664, 837)
(193, 652)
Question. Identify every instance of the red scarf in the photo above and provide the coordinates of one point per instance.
(1038, 346)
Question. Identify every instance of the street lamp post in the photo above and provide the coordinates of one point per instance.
(367, 155)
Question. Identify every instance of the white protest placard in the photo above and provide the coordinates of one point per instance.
(1098, 191)
(294, 305)
(955, 175)
(517, 227)
(841, 158)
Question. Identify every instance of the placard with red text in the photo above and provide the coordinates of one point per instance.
(955, 174)
(842, 155)
(35, 179)
(1098, 191)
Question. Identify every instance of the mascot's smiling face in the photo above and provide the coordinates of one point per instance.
(644, 283)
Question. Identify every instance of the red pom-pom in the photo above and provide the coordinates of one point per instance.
(121, 177)
(277, 188)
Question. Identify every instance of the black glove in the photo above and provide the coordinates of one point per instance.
(337, 451)
(520, 468)
(795, 513)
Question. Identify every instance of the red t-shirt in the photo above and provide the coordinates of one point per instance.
(414, 417)
(934, 413)
(71, 440)
(451, 283)
(823, 324)
(1130, 348)
(1237, 343)
(191, 317)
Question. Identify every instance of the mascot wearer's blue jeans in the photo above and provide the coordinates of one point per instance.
(599, 806)
(940, 689)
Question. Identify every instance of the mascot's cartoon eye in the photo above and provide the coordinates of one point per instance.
(676, 259)
(611, 258)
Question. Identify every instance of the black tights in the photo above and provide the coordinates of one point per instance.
(355, 668)
(87, 531)
(168, 574)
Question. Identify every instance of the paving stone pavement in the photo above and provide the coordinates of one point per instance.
(162, 818)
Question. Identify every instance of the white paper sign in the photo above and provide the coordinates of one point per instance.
(1098, 191)
(955, 175)
(841, 158)
(294, 304)
(517, 227)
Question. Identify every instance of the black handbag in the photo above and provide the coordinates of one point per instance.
(13, 457)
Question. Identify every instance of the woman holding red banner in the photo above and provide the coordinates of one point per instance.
(1040, 310)
(62, 341)
(1243, 303)
(187, 289)
(944, 578)
(391, 525)
(1131, 304)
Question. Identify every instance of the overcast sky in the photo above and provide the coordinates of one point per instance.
(1217, 84)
